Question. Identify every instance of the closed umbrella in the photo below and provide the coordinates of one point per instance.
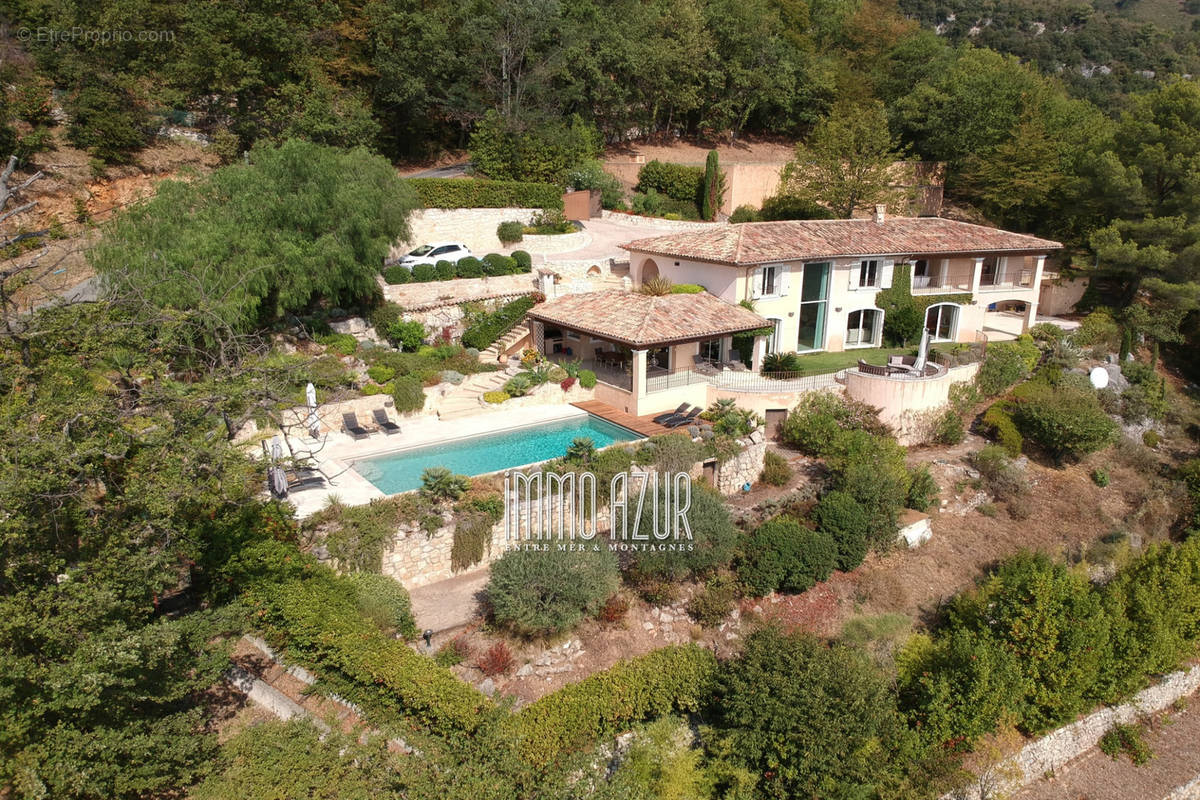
(276, 449)
(922, 353)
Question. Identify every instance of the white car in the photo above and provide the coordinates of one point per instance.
(431, 254)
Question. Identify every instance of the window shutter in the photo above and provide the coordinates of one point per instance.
(885, 274)
(756, 283)
(782, 277)
(854, 271)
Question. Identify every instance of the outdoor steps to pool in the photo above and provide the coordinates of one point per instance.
(500, 349)
(468, 398)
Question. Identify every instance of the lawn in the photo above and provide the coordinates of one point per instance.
(818, 363)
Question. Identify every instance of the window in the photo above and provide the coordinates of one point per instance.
(658, 358)
(863, 327)
(574, 336)
(711, 350)
(941, 321)
(768, 284)
(868, 274)
(990, 275)
(441, 251)
(921, 268)
(814, 296)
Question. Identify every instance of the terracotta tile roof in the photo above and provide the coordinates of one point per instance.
(762, 242)
(639, 320)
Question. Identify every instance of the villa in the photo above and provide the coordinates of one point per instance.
(813, 285)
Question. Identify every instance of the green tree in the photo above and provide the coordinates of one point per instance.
(1157, 135)
(846, 162)
(251, 243)
(713, 184)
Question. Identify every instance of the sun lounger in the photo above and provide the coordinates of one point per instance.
(680, 421)
(735, 362)
(356, 431)
(385, 424)
(661, 418)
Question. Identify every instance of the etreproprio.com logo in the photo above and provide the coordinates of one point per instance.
(646, 511)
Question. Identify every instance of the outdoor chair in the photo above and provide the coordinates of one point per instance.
(661, 418)
(680, 421)
(308, 480)
(735, 362)
(356, 431)
(385, 424)
(704, 366)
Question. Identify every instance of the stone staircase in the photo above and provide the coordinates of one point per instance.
(499, 349)
(467, 399)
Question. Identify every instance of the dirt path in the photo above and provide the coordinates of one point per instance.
(448, 604)
(1175, 742)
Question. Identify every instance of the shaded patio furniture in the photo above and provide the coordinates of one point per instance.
(385, 424)
(661, 418)
(704, 366)
(356, 431)
(680, 421)
(735, 362)
(306, 480)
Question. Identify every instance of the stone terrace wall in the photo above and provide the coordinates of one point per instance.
(474, 227)
(743, 468)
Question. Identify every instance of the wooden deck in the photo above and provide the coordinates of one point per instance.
(643, 425)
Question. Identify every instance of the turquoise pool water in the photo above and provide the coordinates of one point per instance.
(478, 455)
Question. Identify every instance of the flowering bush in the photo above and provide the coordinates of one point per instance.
(567, 383)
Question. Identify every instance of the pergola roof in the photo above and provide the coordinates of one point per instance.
(641, 320)
(796, 240)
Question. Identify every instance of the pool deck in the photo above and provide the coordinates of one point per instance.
(646, 426)
(339, 452)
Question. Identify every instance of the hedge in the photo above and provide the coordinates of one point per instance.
(675, 678)
(470, 193)
(317, 619)
(1000, 426)
(494, 325)
(408, 394)
(676, 181)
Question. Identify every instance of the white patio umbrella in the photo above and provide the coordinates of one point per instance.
(310, 398)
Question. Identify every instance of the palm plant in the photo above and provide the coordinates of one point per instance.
(439, 483)
(581, 450)
(780, 362)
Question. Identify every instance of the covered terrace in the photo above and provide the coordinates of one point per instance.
(649, 352)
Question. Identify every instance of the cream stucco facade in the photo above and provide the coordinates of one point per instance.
(830, 304)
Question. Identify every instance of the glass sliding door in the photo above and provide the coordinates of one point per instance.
(814, 297)
(862, 327)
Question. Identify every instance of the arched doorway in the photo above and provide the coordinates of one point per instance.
(649, 270)
(941, 320)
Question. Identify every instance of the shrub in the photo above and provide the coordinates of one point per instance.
(614, 610)
(1098, 329)
(948, 428)
(409, 335)
(445, 270)
(424, 273)
(871, 469)
(439, 483)
(497, 660)
(848, 524)
(776, 470)
(384, 601)
(462, 193)
(676, 181)
(1053, 622)
(1000, 476)
(510, 232)
(674, 678)
(518, 385)
(1100, 477)
(492, 326)
(397, 274)
(453, 652)
(781, 207)
(1000, 426)
(818, 420)
(539, 593)
(384, 315)
(341, 343)
(923, 489)
(1066, 420)
(1128, 739)
(744, 213)
(496, 397)
(1001, 368)
(581, 450)
(713, 539)
(781, 554)
(652, 203)
(1046, 333)
(469, 267)
(1150, 439)
(524, 261)
(566, 384)
(497, 264)
(408, 394)
(587, 379)
(590, 174)
(781, 713)
(712, 604)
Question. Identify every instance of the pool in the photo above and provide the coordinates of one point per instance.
(493, 452)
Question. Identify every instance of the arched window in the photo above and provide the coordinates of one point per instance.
(941, 320)
(864, 327)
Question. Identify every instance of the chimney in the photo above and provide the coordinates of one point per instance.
(880, 212)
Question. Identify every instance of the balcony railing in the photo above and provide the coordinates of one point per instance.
(1022, 279)
(747, 381)
(605, 373)
(953, 280)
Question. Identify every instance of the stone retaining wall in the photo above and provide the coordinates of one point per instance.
(743, 468)
(657, 222)
(474, 227)
(1053, 751)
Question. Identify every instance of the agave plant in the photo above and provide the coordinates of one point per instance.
(539, 374)
(656, 286)
(518, 385)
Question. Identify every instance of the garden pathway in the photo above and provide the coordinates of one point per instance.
(448, 604)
